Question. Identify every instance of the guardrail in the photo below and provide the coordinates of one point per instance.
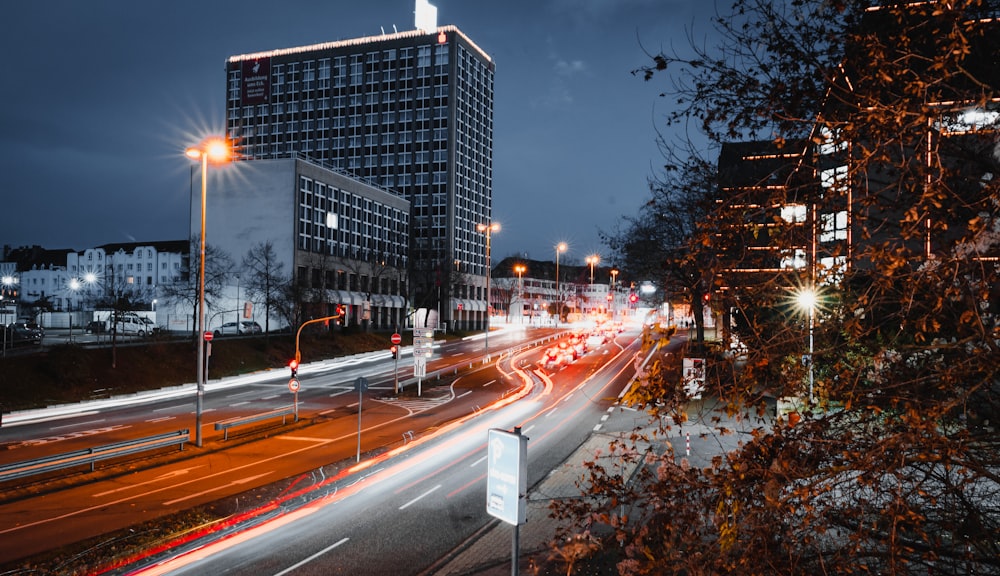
(241, 420)
(91, 456)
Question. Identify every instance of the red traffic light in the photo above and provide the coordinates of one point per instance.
(633, 298)
(395, 350)
(293, 364)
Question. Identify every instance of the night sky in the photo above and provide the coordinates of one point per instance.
(101, 97)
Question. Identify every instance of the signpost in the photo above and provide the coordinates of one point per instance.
(396, 341)
(423, 348)
(293, 386)
(693, 373)
(507, 482)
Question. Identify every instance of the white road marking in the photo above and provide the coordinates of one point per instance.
(415, 500)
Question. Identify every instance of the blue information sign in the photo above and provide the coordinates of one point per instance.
(507, 475)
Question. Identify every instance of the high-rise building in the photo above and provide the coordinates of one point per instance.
(410, 112)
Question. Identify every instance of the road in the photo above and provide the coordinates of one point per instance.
(98, 504)
(403, 515)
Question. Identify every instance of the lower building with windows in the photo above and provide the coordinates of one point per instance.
(334, 242)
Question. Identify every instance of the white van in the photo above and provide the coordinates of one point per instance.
(131, 324)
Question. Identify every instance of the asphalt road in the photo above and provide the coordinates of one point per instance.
(87, 504)
(406, 513)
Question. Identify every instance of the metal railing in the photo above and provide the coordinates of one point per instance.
(91, 456)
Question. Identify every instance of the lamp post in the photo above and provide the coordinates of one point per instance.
(611, 293)
(519, 270)
(74, 285)
(217, 150)
(8, 282)
(488, 229)
(807, 300)
(560, 248)
(592, 260)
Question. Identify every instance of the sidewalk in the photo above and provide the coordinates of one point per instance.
(489, 552)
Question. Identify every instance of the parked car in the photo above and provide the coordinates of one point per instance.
(96, 327)
(241, 327)
(24, 332)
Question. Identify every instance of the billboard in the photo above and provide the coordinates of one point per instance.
(256, 87)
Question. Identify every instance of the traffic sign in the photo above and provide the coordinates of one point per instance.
(396, 338)
(209, 336)
(293, 384)
(507, 475)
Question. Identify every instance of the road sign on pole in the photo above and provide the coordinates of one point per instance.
(507, 475)
(396, 338)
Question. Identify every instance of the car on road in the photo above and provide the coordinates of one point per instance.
(23, 332)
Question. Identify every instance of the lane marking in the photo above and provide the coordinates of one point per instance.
(170, 474)
(161, 419)
(488, 383)
(478, 462)
(79, 423)
(464, 394)
(417, 499)
(215, 488)
(311, 558)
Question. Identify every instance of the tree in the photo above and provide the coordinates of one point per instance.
(503, 292)
(670, 241)
(218, 266)
(264, 277)
(892, 464)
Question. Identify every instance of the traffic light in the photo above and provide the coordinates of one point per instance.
(633, 297)
(395, 351)
(340, 310)
(294, 366)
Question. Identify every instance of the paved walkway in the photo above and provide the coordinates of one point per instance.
(488, 553)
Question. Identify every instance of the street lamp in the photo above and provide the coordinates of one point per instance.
(560, 248)
(217, 150)
(488, 229)
(519, 269)
(611, 293)
(592, 260)
(807, 301)
(8, 282)
(74, 285)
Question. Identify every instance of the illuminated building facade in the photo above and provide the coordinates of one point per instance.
(408, 112)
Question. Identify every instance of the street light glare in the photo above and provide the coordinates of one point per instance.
(214, 149)
(807, 299)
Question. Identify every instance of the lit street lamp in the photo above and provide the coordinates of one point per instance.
(488, 229)
(807, 301)
(519, 269)
(217, 150)
(74, 285)
(560, 248)
(611, 294)
(592, 260)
